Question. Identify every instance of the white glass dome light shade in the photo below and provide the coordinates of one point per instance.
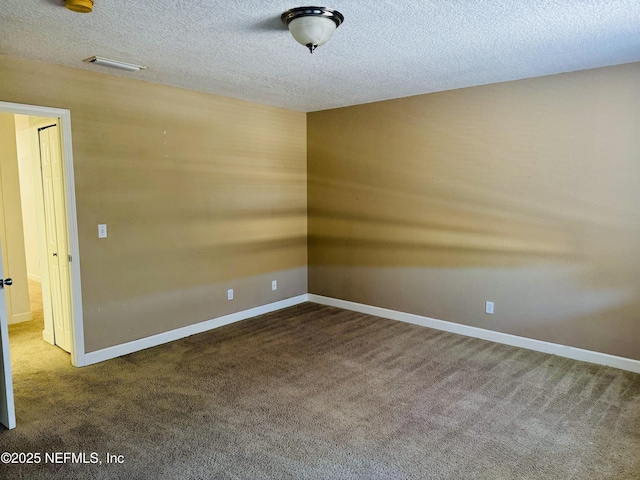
(312, 31)
(312, 26)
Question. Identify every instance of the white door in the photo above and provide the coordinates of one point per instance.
(7, 409)
(56, 234)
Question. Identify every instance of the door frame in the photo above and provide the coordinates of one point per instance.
(64, 116)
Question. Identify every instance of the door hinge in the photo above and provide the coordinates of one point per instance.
(69, 257)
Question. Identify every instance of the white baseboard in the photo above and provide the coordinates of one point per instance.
(154, 340)
(20, 317)
(498, 337)
(466, 330)
(35, 278)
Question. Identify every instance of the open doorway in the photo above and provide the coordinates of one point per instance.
(33, 230)
(39, 246)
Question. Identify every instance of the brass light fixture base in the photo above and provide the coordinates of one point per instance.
(80, 6)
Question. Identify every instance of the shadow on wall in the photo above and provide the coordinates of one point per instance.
(191, 208)
(361, 225)
(524, 193)
(573, 280)
(534, 172)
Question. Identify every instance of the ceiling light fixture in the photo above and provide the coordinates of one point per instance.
(80, 6)
(312, 26)
(130, 67)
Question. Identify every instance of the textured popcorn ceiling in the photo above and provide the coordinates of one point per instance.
(384, 49)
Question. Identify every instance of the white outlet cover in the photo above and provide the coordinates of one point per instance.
(274, 285)
(230, 294)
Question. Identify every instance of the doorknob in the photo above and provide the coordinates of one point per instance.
(55, 254)
(7, 281)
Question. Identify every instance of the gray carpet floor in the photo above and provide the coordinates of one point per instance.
(314, 392)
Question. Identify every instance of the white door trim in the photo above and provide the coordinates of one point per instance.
(77, 325)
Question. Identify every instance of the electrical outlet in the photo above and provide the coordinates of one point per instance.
(230, 294)
(274, 284)
(488, 308)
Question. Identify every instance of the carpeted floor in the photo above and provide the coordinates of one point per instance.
(314, 392)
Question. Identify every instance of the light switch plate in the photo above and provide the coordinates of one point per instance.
(102, 230)
(488, 308)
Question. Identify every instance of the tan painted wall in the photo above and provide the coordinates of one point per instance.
(11, 233)
(200, 193)
(526, 193)
(27, 194)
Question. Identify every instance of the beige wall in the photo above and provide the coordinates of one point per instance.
(11, 233)
(525, 193)
(200, 193)
(24, 134)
